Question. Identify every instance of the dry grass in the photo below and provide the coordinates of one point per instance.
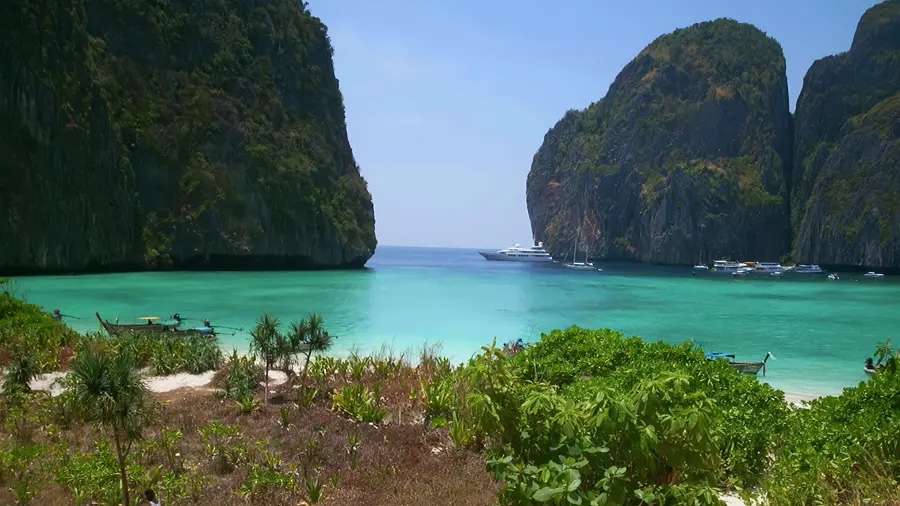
(398, 462)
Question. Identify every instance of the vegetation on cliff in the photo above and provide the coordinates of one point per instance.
(685, 154)
(846, 173)
(222, 132)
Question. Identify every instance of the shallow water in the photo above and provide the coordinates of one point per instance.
(819, 331)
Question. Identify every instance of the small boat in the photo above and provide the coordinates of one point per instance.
(118, 328)
(834, 276)
(742, 272)
(701, 268)
(743, 367)
(807, 269)
(871, 274)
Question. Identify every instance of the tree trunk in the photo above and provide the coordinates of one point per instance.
(266, 393)
(120, 456)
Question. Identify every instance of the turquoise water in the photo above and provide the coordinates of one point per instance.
(819, 331)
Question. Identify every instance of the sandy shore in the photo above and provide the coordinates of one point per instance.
(158, 384)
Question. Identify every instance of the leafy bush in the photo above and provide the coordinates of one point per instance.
(752, 413)
(26, 329)
(360, 402)
(842, 450)
(239, 378)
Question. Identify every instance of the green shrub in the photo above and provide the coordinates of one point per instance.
(239, 378)
(842, 450)
(360, 402)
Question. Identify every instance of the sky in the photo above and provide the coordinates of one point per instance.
(447, 102)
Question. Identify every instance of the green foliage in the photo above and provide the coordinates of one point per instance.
(21, 469)
(19, 373)
(241, 377)
(107, 389)
(224, 448)
(26, 330)
(842, 450)
(267, 344)
(220, 108)
(360, 402)
(91, 477)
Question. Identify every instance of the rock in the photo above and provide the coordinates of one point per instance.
(685, 155)
(202, 134)
(67, 197)
(846, 172)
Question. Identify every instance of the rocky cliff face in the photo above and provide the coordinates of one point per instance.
(211, 134)
(685, 155)
(66, 189)
(846, 172)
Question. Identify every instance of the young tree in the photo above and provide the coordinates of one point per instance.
(309, 336)
(107, 389)
(266, 345)
(19, 373)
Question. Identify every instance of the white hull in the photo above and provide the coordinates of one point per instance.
(502, 257)
(580, 266)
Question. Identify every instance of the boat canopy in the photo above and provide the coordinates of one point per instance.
(716, 354)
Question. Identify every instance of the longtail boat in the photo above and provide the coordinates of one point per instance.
(743, 367)
(158, 328)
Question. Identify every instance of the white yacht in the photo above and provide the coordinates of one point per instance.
(807, 269)
(727, 266)
(517, 253)
(872, 274)
(580, 266)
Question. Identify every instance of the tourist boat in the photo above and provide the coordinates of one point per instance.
(834, 276)
(807, 269)
(768, 269)
(516, 253)
(727, 266)
(743, 367)
(119, 328)
(871, 274)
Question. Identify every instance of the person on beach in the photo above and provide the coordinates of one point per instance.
(150, 497)
(57, 315)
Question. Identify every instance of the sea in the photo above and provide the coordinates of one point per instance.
(818, 331)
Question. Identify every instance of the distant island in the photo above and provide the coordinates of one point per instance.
(693, 154)
(153, 135)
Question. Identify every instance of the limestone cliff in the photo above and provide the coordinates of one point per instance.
(66, 188)
(685, 155)
(846, 172)
(203, 134)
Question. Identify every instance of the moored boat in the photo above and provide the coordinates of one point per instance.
(517, 253)
(872, 274)
(119, 328)
(768, 269)
(727, 266)
(807, 269)
(743, 367)
(742, 272)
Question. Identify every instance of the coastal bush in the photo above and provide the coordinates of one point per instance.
(239, 378)
(843, 449)
(26, 329)
(163, 353)
(594, 444)
(752, 413)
